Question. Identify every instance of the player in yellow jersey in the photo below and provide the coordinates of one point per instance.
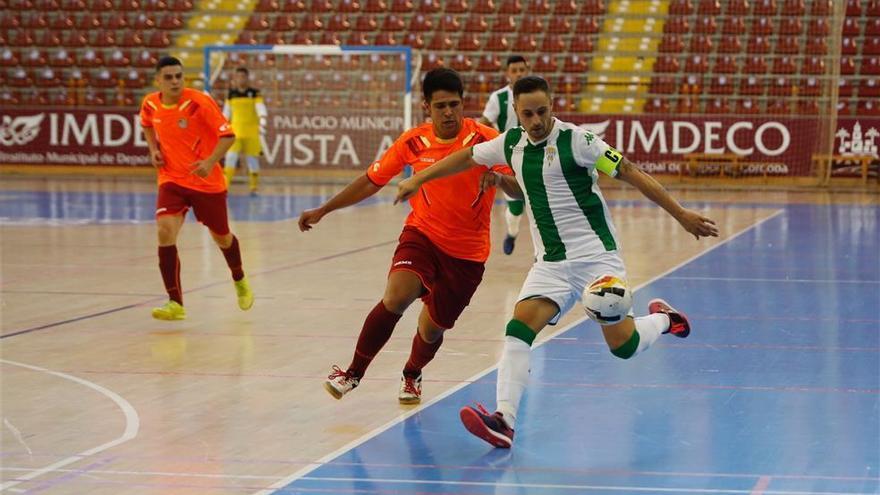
(246, 112)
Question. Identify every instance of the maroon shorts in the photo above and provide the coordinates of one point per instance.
(210, 208)
(450, 282)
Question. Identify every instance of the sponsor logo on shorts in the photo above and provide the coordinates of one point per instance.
(428, 160)
(403, 262)
(161, 210)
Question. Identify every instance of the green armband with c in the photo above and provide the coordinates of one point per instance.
(607, 163)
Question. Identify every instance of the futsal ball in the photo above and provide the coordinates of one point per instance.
(607, 300)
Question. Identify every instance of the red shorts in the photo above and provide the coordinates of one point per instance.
(450, 282)
(210, 208)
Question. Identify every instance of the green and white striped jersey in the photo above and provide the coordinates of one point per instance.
(569, 218)
(499, 109)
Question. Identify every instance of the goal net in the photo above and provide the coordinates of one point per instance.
(329, 106)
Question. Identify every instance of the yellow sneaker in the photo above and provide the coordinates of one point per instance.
(245, 296)
(170, 311)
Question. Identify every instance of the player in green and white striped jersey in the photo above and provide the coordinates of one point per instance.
(499, 112)
(556, 166)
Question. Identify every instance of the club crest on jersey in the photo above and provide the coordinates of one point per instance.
(182, 123)
(550, 154)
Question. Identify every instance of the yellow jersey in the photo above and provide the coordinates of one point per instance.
(243, 112)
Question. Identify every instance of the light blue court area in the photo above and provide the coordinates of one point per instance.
(66, 207)
(777, 391)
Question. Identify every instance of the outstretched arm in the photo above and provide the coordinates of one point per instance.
(693, 222)
(357, 191)
(451, 165)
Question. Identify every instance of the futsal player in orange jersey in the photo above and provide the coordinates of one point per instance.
(444, 245)
(187, 135)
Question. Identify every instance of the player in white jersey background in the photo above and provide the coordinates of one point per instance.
(500, 114)
(556, 165)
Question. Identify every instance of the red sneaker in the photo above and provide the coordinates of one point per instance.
(678, 322)
(490, 427)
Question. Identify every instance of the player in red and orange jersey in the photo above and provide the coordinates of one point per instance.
(187, 135)
(444, 245)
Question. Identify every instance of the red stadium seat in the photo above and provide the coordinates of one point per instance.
(725, 65)
(504, 24)
(469, 42)
(593, 7)
(784, 65)
(159, 39)
(758, 44)
(145, 59)
(538, 7)
(49, 39)
(386, 39)
(580, 44)
(747, 106)
(103, 79)
(61, 22)
(755, 65)
(686, 105)
(853, 8)
(132, 39)
(433, 61)
(696, 64)
(738, 7)
(873, 9)
(765, 7)
(751, 86)
(793, 8)
(662, 85)
(290, 6)
(489, 63)
(871, 66)
(709, 7)
(706, 25)
(778, 107)
(787, 45)
(393, 23)
(414, 40)
(274, 38)
(821, 8)
(461, 63)
(586, 25)
(284, 22)
(33, 58)
(76, 39)
(844, 87)
(676, 25)
(267, 6)
(851, 27)
(575, 64)
(258, 22)
(666, 63)
(552, 43)
(449, 24)
(91, 58)
(813, 65)
(681, 7)
(441, 42)
(531, 25)
(525, 43)
(332, 38)
(180, 5)
(718, 106)
(366, 23)
(872, 27)
(818, 27)
(762, 26)
(476, 24)
(870, 88)
(656, 105)
(510, 7)
(406, 6)
(484, 7)
(791, 26)
(117, 58)
(701, 44)
(420, 23)
(817, 46)
(564, 8)
(357, 39)
(8, 58)
(781, 86)
(456, 6)
(810, 87)
(730, 44)
(338, 22)
(350, 6)
(848, 46)
(733, 25)
(559, 25)
(19, 79)
(546, 64)
(247, 38)
(872, 46)
(847, 66)
(497, 42)
(321, 6)
(671, 43)
(869, 107)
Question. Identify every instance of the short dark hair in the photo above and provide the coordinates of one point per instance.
(514, 59)
(167, 61)
(530, 84)
(444, 79)
(244, 70)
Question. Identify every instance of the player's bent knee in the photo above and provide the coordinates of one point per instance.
(629, 348)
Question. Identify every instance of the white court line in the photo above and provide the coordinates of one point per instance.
(780, 280)
(132, 424)
(401, 417)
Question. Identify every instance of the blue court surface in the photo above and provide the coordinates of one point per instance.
(777, 391)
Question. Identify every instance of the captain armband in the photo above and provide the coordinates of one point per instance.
(608, 163)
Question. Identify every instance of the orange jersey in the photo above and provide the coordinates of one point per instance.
(451, 211)
(187, 133)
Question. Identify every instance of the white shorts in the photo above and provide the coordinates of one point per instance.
(563, 282)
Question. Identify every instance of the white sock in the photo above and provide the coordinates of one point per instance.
(513, 376)
(512, 223)
(650, 327)
(253, 163)
(231, 160)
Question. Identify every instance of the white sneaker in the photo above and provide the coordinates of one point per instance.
(410, 390)
(340, 382)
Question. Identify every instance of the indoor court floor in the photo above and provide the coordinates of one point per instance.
(776, 391)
